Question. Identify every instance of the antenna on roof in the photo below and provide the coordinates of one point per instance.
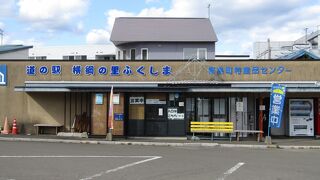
(306, 30)
(209, 11)
(1, 34)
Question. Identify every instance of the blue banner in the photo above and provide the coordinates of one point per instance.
(3, 75)
(277, 97)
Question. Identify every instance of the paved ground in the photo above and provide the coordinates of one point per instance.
(39, 160)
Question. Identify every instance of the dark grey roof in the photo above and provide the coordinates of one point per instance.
(138, 29)
(10, 48)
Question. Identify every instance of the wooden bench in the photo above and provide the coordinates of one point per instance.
(38, 126)
(248, 131)
(211, 127)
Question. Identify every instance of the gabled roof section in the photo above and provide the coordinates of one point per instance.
(11, 48)
(146, 29)
(301, 54)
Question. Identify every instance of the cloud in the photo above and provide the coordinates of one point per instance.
(1, 25)
(52, 15)
(7, 8)
(98, 36)
(151, 1)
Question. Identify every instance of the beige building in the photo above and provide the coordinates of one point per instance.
(157, 98)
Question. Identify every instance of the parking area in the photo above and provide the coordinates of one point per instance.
(33, 160)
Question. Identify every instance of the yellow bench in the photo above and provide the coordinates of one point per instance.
(211, 127)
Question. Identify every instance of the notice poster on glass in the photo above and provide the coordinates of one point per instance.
(116, 98)
(174, 115)
(160, 113)
(99, 99)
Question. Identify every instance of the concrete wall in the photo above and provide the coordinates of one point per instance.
(168, 51)
(21, 54)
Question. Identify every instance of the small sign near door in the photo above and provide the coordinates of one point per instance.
(174, 115)
(155, 101)
(136, 100)
(262, 107)
(239, 106)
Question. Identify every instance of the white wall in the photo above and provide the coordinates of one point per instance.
(57, 52)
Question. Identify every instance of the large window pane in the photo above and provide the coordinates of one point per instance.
(189, 53)
(202, 53)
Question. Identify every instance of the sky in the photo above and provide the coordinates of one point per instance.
(238, 23)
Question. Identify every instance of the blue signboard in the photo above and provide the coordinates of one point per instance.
(118, 116)
(277, 97)
(3, 75)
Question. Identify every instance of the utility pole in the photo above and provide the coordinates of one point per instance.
(318, 31)
(269, 49)
(209, 11)
(306, 30)
(1, 34)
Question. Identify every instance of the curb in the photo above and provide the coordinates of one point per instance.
(298, 147)
(248, 146)
(13, 139)
(109, 142)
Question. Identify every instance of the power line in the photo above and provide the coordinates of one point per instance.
(1, 33)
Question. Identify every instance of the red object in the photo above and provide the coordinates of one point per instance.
(14, 127)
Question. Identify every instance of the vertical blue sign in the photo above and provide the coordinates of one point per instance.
(277, 97)
(3, 74)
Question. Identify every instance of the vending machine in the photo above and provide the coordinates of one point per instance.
(301, 118)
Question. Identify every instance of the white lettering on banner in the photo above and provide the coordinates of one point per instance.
(277, 99)
(274, 120)
(275, 109)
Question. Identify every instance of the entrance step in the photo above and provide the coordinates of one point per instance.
(158, 138)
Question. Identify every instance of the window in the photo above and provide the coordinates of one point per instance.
(194, 53)
(118, 55)
(124, 52)
(70, 57)
(219, 106)
(78, 57)
(41, 57)
(144, 54)
(189, 53)
(202, 53)
(133, 54)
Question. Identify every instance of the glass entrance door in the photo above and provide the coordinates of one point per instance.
(203, 107)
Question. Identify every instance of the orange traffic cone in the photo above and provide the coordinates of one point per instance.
(5, 127)
(14, 127)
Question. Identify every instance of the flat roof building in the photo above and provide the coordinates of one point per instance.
(14, 52)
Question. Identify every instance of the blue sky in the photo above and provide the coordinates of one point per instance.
(238, 23)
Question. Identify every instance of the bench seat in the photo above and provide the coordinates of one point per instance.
(38, 126)
(248, 131)
(211, 127)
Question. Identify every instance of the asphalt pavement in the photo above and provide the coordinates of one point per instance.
(41, 160)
